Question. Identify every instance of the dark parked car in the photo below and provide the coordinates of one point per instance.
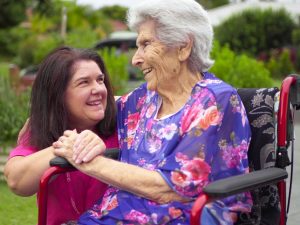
(124, 42)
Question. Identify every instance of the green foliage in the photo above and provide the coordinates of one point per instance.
(209, 4)
(114, 12)
(296, 37)
(10, 40)
(13, 108)
(35, 48)
(239, 70)
(12, 12)
(116, 65)
(255, 30)
(280, 64)
(16, 210)
(77, 40)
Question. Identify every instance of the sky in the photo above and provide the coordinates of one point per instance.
(100, 3)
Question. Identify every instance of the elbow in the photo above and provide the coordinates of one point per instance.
(13, 184)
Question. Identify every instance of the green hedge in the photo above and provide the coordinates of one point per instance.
(13, 109)
(255, 30)
(239, 70)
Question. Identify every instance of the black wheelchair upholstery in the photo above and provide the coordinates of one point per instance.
(259, 105)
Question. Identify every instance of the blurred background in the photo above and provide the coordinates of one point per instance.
(257, 44)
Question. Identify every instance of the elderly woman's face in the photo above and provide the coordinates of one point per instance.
(159, 64)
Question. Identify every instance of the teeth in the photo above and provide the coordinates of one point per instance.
(146, 71)
(94, 103)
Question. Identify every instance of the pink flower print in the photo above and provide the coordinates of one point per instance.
(113, 203)
(136, 216)
(190, 115)
(233, 155)
(109, 202)
(175, 213)
(149, 124)
(168, 131)
(181, 158)
(141, 161)
(123, 99)
(132, 121)
(211, 117)
(141, 102)
(150, 167)
(154, 144)
(193, 171)
(150, 110)
(130, 140)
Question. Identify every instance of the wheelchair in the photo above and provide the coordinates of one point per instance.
(271, 116)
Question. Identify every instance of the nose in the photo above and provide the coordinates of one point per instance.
(97, 88)
(137, 58)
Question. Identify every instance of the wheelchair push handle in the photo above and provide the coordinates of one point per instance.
(112, 153)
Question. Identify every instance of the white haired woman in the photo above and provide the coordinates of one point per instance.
(179, 131)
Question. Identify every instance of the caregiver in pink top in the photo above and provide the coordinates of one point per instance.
(71, 91)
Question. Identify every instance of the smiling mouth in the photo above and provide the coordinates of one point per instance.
(94, 103)
(146, 71)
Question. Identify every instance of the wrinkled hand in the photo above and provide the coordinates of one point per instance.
(64, 145)
(87, 146)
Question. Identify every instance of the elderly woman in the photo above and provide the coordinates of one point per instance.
(179, 131)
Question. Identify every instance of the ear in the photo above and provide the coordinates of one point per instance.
(184, 51)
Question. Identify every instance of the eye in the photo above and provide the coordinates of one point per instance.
(100, 79)
(146, 43)
(83, 82)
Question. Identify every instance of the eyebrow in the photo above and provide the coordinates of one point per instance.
(88, 77)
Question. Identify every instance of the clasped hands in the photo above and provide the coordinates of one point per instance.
(79, 147)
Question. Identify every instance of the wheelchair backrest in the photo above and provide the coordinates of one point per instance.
(259, 104)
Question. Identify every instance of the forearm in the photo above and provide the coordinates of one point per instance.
(144, 183)
(23, 174)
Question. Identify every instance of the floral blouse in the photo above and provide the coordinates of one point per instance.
(206, 140)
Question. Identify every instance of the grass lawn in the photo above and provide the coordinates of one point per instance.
(15, 210)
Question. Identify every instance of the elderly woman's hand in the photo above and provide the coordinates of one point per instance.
(64, 145)
(87, 146)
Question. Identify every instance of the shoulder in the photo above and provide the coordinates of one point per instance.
(136, 93)
(216, 85)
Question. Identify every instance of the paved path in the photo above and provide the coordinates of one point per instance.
(294, 213)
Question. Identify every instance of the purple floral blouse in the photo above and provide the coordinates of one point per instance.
(206, 140)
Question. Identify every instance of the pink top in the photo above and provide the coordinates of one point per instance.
(71, 193)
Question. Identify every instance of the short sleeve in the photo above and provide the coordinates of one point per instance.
(214, 140)
(22, 150)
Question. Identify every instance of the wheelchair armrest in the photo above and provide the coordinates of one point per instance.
(61, 162)
(234, 185)
(245, 182)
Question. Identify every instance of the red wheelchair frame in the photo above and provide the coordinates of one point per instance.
(289, 94)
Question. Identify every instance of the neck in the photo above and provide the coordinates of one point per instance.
(176, 93)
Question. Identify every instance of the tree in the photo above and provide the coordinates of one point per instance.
(114, 12)
(255, 30)
(209, 4)
(12, 12)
